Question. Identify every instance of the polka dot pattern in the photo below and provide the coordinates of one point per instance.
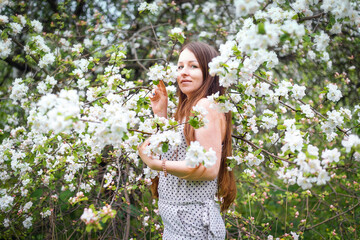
(187, 208)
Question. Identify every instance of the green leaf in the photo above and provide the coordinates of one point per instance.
(298, 116)
(88, 228)
(257, 152)
(261, 28)
(37, 193)
(194, 122)
(65, 195)
(165, 147)
(181, 39)
(284, 37)
(125, 137)
(280, 127)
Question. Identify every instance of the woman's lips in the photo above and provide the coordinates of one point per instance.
(185, 81)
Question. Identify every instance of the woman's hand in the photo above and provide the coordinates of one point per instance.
(159, 100)
(149, 161)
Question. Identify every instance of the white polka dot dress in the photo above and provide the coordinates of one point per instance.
(187, 208)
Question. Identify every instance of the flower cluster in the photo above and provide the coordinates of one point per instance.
(196, 154)
(19, 90)
(55, 112)
(152, 7)
(160, 142)
(94, 219)
(167, 74)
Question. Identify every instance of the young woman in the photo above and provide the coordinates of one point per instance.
(186, 195)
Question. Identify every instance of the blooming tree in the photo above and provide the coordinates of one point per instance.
(75, 78)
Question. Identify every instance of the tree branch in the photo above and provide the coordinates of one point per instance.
(53, 5)
(79, 8)
(262, 150)
(329, 219)
(311, 17)
(32, 56)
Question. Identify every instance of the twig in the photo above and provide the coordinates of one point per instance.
(286, 105)
(156, 39)
(267, 4)
(124, 90)
(337, 215)
(127, 225)
(135, 130)
(311, 17)
(32, 56)
(262, 150)
(133, 49)
(315, 111)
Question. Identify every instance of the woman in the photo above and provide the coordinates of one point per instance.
(186, 195)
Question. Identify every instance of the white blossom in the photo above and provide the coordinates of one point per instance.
(88, 216)
(46, 60)
(6, 202)
(334, 93)
(244, 7)
(19, 90)
(28, 222)
(88, 43)
(37, 26)
(269, 122)
(252, 160)
(350, 141)
(153, 8)
(4, 19)
(196, 155)
(76, 48)
(323, 177)
(177, 31)
(6, 222)
(50, 80)
(40, 43)
(321, 41)
(82, 83)
(82, 64)
(45, 214)
(142, 6)
(210, 159)
(309, 113)
(27, 206)
(313, 150)
(303, 182)
(156, 72)
(330, 156)
(298, 92)
(5, 48)
(42, 88)
(16, 28)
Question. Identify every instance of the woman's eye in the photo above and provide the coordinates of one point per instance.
(194, 66)
(179, 67)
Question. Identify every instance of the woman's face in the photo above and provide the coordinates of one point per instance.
(190, 76)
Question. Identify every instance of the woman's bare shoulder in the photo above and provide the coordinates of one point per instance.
(208, 104)
(211, 108)
(216, 118)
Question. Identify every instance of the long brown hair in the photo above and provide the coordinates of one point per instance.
(204, 53)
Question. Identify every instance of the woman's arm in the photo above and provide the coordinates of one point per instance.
(209, 136)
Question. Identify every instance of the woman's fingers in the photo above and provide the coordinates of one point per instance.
(162, 87)
(154, 95)
(157, 91)
(144, 144)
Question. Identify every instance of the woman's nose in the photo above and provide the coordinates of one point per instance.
(184, 71)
